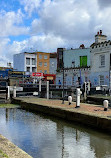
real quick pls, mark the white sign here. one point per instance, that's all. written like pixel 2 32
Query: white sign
pixel 98 88
pixel 17 88
pixel 35 93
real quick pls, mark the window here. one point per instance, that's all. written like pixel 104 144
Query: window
pixel 28 61
pixel 28 69
pixel 52 64
pixel 101 79
pixel 83 61
pixel 45 56
pixel 102 60
pixel 33 61
pixel 73 63
pixel 45 64
pixel 33 69
pixel 45 71
pixel 40 63
pixel 40 56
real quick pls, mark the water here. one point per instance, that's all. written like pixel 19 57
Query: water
pixel 46 137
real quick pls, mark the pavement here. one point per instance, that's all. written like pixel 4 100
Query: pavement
pixel 91 109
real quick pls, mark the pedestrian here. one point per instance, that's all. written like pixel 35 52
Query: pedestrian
pixel 59 84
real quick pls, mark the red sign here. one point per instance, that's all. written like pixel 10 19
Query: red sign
pixel 36 74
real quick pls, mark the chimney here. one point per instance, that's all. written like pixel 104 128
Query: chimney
pixel 100 37
pixel 100 32
pixel 82 46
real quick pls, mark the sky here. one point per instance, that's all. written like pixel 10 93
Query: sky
pixel 45 25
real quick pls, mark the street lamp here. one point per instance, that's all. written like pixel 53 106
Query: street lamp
pixel 63 82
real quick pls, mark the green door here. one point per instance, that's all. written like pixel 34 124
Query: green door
pixel 83 61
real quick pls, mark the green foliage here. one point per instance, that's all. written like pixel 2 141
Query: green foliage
pixel 8 105
pixel 3 155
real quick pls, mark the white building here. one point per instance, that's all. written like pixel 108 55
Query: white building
pixel 100 60
pixel 25 62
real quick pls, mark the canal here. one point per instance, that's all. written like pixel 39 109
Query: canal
pixel 42 136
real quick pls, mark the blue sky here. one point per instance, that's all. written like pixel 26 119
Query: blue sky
pixel 45 25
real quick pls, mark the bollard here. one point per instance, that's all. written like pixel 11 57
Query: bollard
pixel 47 89
pixel 78 93
pixel 40 85
pixel 14 91
pixel 105 103
pixel 8 97
pixel 70 99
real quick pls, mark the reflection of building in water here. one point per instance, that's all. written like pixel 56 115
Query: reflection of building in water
pixel 10 112
pixel 101 144
pixel 7 114
pixel 77 135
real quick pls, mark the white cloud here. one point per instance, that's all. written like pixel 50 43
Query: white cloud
pixel 69 19
pixel 30 6
pixel 10 23
pixel 61 23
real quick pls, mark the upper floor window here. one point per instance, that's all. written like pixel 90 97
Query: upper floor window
pixel 45 56
pixel 45 71
pixel 28 69
pixel 52 64
pixel 33 69
pixel 102 60
pixel 83 61
pixel 40 63
pixel 40 56
pixel 45 64
pixel 101 80
pixel 28 61
pixel 33 61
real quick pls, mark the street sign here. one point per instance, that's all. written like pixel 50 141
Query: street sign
pixel 37 74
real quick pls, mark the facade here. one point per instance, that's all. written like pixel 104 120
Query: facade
pixel 43 63
pixel 53 63
pixel 76 67
pixel 25 62
pixel 100 61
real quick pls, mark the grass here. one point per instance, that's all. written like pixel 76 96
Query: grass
pixel 8 105
pixel 2 154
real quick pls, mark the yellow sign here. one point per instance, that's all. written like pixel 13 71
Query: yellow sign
pixel 49 78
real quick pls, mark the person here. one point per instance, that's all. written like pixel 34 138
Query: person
pixel 59 84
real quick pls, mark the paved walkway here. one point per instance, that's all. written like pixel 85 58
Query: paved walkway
pixel 91 109
pixel 9 150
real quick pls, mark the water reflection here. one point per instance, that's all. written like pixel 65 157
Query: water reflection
pixel 47 137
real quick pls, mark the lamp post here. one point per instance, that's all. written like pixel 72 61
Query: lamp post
pixel 63 83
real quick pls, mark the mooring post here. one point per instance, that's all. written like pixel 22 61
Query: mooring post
pixel 47 89
pixel 40 85
pixel 8 96
pixel 14 91
pixel 78 93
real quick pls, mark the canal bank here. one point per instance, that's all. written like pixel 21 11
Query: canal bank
pixel 88 114
pixel 9 150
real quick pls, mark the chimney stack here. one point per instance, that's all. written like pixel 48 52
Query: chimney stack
pixel 100 37
pixel 100 32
